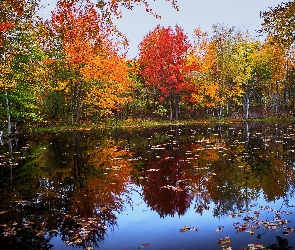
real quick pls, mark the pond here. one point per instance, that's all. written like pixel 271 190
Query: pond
pixel 173 187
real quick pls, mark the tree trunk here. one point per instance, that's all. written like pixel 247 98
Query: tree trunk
pixel 265 107
pixel 74 97
pixel 277 99
pixel 76 103
pixel 176 108
pixel 8 113
pixel 286 100
pixel 247 105
pixel 170 104
pixel 220 112
pixel 277 104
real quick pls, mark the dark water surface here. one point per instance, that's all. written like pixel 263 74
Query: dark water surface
pixel 174 187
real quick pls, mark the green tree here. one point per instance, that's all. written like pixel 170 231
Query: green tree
pixel 226 41
pixel 20 64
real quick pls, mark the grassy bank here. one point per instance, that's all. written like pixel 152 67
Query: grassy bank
pixel 130 123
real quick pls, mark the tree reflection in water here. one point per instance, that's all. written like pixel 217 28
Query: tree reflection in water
pixel 213 167
pixel 74 185
pixel 69 186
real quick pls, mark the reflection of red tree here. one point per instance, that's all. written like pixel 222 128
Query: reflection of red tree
pixel 156 192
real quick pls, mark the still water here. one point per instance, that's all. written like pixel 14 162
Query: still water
pixel 174 187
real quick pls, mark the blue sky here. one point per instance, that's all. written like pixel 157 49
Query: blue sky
pixel 135 24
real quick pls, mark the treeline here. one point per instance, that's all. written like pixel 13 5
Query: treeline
pixel 72 69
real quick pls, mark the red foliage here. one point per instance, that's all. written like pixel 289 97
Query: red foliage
pixel 163 58
pixel 4 27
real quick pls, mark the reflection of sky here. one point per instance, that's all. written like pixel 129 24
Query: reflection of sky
pixel 141 225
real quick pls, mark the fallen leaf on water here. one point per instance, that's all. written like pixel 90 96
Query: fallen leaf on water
pixel 219 229
pixel 186 228
pixel 224 243
pixel 255 246
pixel 144 245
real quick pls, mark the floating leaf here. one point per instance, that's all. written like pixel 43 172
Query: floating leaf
pixel 219 229
pixel 186 228
pixel 255 246
pixel 224 243
pixel 144 245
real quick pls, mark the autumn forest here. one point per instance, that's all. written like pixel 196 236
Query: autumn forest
pixel 72 69
pixel 81 165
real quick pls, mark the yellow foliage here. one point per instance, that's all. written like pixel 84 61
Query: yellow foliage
pixel 6 81
pixel 110 83
pixel 61 85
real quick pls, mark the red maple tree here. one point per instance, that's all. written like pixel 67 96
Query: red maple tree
pixel 164 64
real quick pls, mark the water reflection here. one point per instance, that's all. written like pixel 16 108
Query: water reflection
pixel 74 186
pixel 214 165
pixel 70 185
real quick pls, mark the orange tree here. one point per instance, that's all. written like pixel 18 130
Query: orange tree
pixel 11 11
pixel 83 57
pixel 272 64
pixel 163 59
pixel 204 52
pixel 107 74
